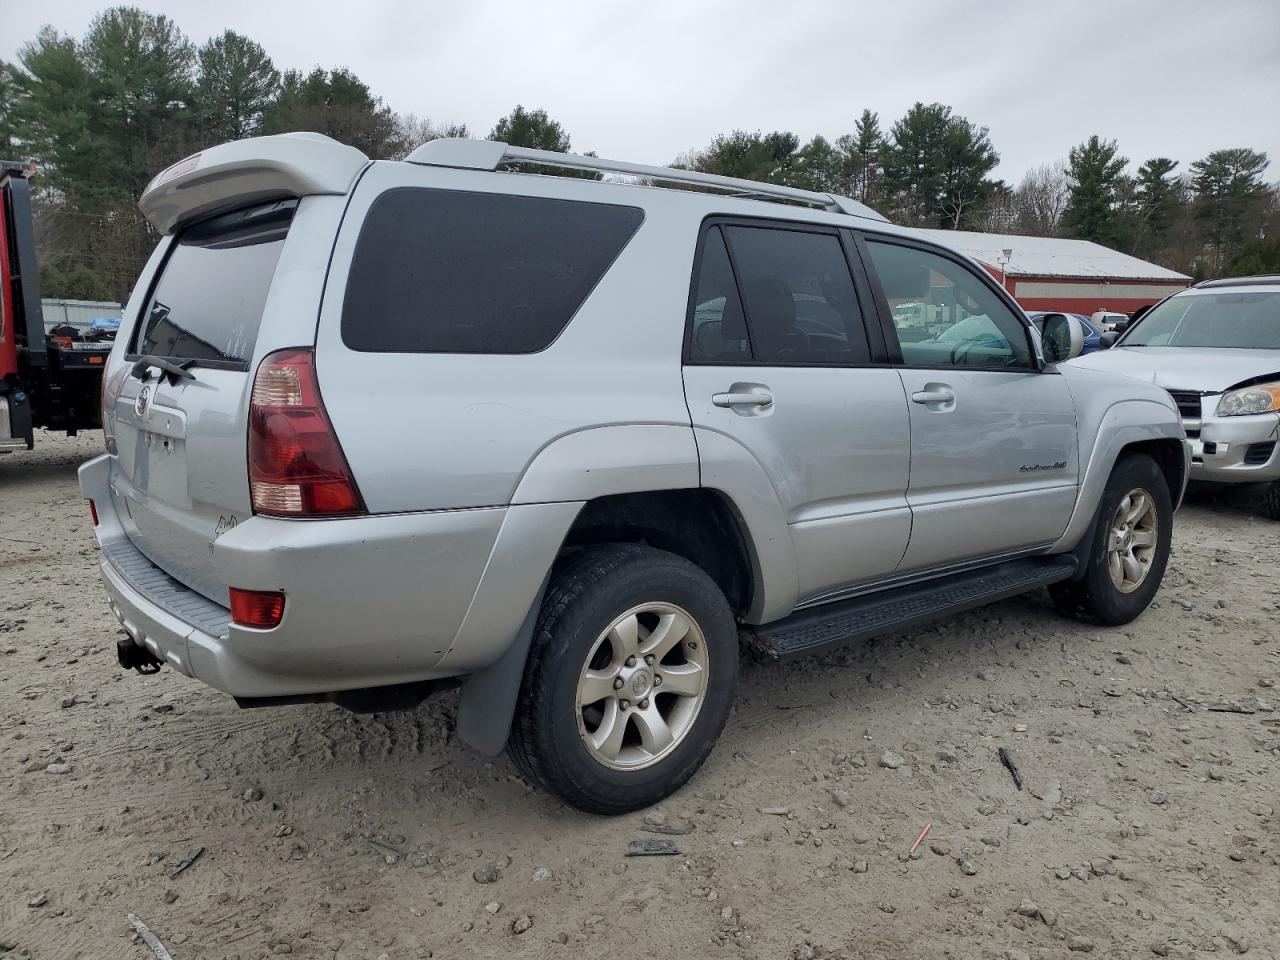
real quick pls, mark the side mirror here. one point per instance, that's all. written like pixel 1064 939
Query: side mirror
pixel 1062 337
pixel 1108 340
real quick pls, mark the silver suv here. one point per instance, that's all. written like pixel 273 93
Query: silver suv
pixel 377 428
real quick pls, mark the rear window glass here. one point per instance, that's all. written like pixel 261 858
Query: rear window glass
pixel 442 271
pixel 207 305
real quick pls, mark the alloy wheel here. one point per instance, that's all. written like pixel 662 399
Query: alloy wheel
pixel 642 686
pixel 1132 539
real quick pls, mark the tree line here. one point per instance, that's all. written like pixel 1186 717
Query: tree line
pixel 103 114
pixel 932 168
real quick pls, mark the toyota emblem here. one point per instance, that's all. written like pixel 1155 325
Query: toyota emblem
pixel 142 401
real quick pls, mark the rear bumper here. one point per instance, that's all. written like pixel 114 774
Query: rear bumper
pixel 369 601
pixel 1237 449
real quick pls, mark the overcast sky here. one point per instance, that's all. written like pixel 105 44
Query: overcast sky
pixel 647 81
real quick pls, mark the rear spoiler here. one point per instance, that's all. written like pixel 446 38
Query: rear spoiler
pixel 245 171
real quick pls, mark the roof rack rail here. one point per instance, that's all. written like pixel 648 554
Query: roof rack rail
pixel 491 154
pixel 1257 280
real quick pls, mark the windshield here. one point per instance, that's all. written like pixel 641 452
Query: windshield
pixel 1243 320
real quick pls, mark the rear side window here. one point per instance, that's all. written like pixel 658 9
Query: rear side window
pixel 207 304
pixel 801 306
pixel 442 271
pixel 719 328
pixel 775 295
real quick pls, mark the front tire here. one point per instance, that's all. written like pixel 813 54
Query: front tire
pixel 1271 500
pixel 629 680
pixel 1130 550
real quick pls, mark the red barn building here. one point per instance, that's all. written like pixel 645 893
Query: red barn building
pixel 1075 276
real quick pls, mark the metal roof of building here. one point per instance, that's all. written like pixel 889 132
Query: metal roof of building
pixel 1052 256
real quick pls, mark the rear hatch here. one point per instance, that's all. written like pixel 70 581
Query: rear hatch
pixel 180 477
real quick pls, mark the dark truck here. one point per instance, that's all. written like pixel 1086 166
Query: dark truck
pixel 45 381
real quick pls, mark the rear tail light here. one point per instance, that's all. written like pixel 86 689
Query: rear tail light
pixel 93 512
pixel 296 467
pixel 260 609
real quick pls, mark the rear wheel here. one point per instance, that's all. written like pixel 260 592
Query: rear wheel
pixel 629 680
pixel 1130 548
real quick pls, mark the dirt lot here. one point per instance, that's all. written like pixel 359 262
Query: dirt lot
pixel 1147 825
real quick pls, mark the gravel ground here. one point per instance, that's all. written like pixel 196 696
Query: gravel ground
pixel 1146 826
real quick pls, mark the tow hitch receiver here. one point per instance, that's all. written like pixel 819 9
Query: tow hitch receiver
pixel 133 656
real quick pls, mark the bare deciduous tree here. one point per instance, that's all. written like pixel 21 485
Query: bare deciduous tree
pixel 414 131
pixel 1041 200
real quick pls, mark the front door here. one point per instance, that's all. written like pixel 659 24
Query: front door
pixel 779 361
pixel 994 467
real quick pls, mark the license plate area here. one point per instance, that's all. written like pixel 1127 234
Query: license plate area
pixel 153 449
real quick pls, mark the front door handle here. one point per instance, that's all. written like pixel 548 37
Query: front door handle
pixel 742 399
pixel 935 394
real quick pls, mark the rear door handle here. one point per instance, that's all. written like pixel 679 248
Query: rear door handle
pixel 935 395
pixel 742 399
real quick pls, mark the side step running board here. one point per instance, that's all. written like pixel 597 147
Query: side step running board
pixel 860 618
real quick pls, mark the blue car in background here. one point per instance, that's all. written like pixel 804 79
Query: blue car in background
pixel 1092 335
pixel 104 328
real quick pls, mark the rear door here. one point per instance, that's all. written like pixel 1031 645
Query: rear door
pixel 180 477
pixel 994 466
pixel 779 360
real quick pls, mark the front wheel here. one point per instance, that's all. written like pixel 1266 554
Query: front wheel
pixel 1271 500
pixel 629 680
pixel 1130 548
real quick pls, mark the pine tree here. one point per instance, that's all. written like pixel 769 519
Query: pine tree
pixel 531 128
pixel 864 161
pixel 338 104
pixel 936 166
pixel 142 68
pixel 1096 170
pixel 237 83
pixel 1161 194
pixel 1230 199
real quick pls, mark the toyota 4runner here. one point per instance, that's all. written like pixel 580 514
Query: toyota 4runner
pixel 373 428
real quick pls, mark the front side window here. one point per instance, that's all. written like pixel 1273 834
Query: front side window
pixel 207 304
pixel 1248 320
pixel 944 315
pixel 446 271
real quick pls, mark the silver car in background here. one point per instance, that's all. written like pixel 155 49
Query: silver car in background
pixel 1216 348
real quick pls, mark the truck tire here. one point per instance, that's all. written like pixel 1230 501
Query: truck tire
pixel 1126 561
pixel 629 681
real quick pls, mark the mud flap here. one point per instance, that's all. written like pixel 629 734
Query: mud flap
pixel 488 700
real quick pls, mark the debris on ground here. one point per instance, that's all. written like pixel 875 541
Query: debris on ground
pixel 1009 765
pixel 652 848
pixel 150 939
pixel 187 861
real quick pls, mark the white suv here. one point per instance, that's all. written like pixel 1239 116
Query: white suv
pixel 1216 348
pixel 375 428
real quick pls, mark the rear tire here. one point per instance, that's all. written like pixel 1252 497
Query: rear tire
pixel 629 680
pixel 1132 534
